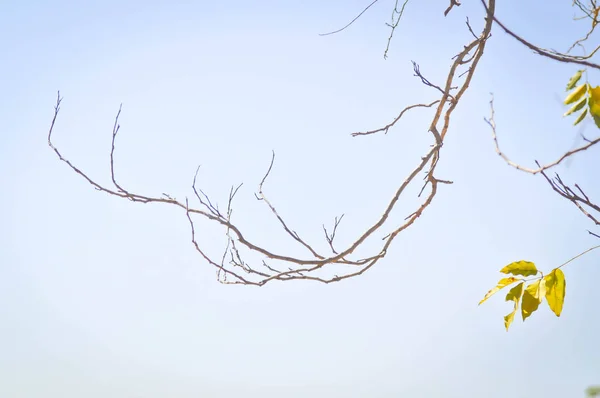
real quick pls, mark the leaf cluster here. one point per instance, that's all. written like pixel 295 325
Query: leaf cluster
pixel 580 96
pixel 551 287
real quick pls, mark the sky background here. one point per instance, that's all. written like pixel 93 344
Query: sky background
pixel 100 297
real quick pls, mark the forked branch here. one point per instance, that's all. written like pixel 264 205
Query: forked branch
pixel 343 263
pixel 541 168
pixel 573 194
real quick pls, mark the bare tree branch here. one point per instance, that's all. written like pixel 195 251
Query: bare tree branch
pixel 578 197
pixel 491 122
pixel 452 4
pixel 386 128
pixel 426 82
pixel 396 16
pixel 233 268
pixel 261 196
pixel 591 13
pixel 330 237
pixel 571 59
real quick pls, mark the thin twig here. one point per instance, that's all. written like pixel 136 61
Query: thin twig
pixel 394 25
pixel 386 128
pixel 543 52
pixel 492 123
pixel 351 22
pixel 579 255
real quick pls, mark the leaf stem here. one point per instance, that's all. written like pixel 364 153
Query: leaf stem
pixel 579 255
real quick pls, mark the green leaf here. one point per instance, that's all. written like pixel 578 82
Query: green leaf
pixel 582 102
pixel 514 294
pixel 532 297
pixel 574 80
pixel 576 94
pixel 580 117
pixel 555 290
pixel 592 391
pixel 525 268
pixel 502 283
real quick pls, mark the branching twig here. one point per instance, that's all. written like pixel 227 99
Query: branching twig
pixel 394 24
pixel 579 198
pixel 426 82
pixel 591 13
pixel 543 52
pixel 491 122
pixel 261 196
pixel 236 270
pixel 386 128
pixel 330 237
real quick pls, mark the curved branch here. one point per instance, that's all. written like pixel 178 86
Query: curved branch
pixel 232 268
pixel 491 122
pixel 541 51
pixel 578 197
pixel 386 128
pixel 351 22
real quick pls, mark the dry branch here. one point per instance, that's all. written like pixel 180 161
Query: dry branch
pixel 557 56
pixel 541 168
pixel 231 266
pixel 576 196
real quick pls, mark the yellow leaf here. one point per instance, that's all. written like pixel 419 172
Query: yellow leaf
pixel 525 268
pixel 594 102
pixel 502 283
pixel 508 319
pixel 555 290
pixel 576 94
pixel 574 80
pixel 580 117
pixel 576 107
pixel 594 92
pixel 532 297
pixel 514 294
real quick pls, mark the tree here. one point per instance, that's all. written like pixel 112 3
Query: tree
pixel 340 263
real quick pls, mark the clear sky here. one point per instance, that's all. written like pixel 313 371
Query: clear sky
pixel 100 297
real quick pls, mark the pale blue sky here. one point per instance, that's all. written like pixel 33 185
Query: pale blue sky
pixel 104 298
